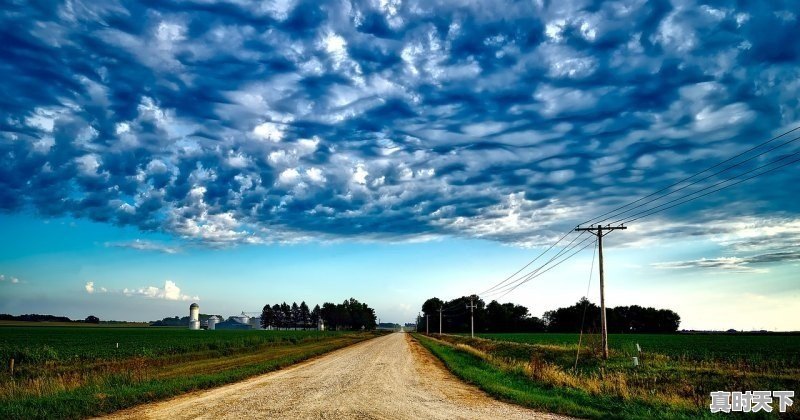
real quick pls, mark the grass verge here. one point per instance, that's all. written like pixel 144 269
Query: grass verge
pixel 512 383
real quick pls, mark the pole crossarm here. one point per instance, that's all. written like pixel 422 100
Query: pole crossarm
pixel 599 228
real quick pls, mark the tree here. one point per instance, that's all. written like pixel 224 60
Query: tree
pixel 287 315
pixel 295 315
pixel 315 316
pixel 91 319
pixel 267 317
pixel 278 316
pixel 305 315
pixel 328 314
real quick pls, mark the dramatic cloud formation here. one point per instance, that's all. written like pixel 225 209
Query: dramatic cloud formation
pixel 170 291
pixel 247 122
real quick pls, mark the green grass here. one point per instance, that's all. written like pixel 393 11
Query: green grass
pixel 73 372
pixel 666 385
pixel 516 387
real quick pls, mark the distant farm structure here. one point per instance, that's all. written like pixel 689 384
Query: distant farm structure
pixel 243 321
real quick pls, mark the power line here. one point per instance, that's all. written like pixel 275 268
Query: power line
pixel 698 180
pixel 528 264
pixel 542 273
pixel 721 188
pixel 564 250
pixel 592 220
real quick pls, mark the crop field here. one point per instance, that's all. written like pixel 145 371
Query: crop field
pixel 76 372
pixel 675 374
pixel 33 346
pixel 755 348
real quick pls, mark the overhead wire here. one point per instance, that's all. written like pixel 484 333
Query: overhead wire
pixel 650 213
pixel 698 181
pixel 592 220
pixel 512 282
pixel 564 250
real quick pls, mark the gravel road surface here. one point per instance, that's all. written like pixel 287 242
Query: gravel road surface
pixel 390 377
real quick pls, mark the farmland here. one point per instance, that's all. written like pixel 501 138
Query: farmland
pixel 74 372
pixel 676 372
pixel 755 348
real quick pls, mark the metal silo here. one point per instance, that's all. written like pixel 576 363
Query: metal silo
pixel 212 322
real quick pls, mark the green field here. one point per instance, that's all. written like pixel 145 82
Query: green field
pixel 76 372
pixel 758 348
pixel 673 380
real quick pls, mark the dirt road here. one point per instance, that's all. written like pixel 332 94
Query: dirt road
pixel 390 377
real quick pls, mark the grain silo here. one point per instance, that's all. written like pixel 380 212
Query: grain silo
pixel 194 316
pixel 212 322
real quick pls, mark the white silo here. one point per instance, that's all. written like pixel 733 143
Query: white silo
pixel 212 322
pixel 194 316
pixel 242 319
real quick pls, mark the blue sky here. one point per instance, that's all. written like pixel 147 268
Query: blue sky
pixel 242 153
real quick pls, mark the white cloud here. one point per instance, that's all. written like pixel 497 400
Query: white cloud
pixel 89 287
pixel 269 131
pixel 289 177
pixel 145 245
pixel 315 175
pixel 360 174
pixel 10 279
pixel 170 291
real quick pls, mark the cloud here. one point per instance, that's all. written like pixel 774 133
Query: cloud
pixel 170 291
pixel 9 279
pixel 144 245
pixel 237 123
pixel 737 264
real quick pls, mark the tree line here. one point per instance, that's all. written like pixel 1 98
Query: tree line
pixel 348 315
pixel 510 317
pixel 91 319
pixel 620 319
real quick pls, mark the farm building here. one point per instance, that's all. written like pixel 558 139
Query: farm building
pixel 232 324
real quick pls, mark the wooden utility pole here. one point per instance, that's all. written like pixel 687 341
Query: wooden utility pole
pixel 471 308
pixel 440 320
pixel 427 318
pixel 598 231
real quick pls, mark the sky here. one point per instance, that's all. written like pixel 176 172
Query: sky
pixel 238 153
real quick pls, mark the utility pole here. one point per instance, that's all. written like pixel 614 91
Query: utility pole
pixel 598 231
pixel 427 318
pixel 440 320
pixel 471 308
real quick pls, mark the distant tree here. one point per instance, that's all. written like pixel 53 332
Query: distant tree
pixel 287 315
pixel 328 314
pixel 277 313
pixel 315 316
pixel 91 319
pixel 267 317
pixel 431 307
pixel 621 319
pixel 295 315
pixel 305 315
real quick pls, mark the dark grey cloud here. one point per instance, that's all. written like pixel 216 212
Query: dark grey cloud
pixel 242 122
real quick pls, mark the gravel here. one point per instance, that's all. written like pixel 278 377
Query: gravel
pixel 390 377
